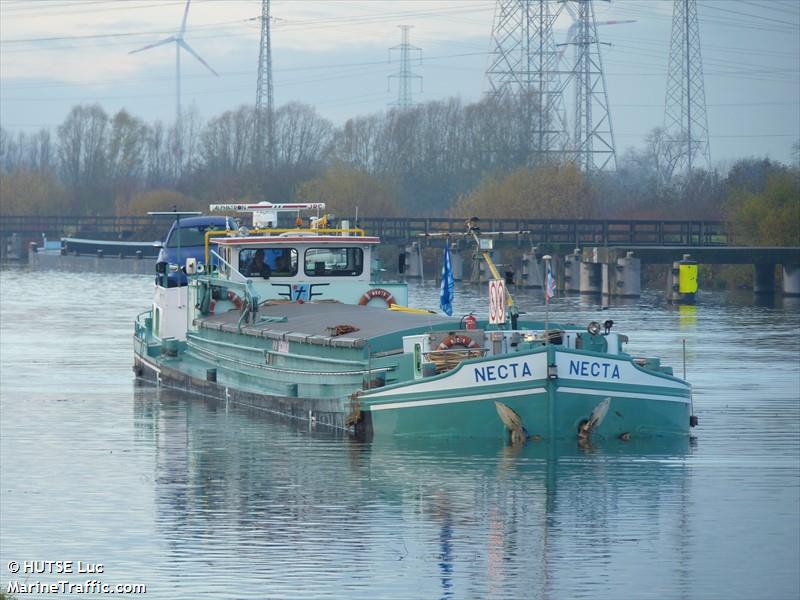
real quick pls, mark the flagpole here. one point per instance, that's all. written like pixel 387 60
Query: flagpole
pixel 546 258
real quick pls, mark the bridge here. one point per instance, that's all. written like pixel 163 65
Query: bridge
pixel 553 233
pixel 613 246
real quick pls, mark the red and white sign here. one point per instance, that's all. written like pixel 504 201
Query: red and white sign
pixel 497 301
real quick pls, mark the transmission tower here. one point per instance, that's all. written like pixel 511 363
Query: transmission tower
pixel 405 76
pixel 685 121
pixel 593 135
pixel 523 64
pixel 265 116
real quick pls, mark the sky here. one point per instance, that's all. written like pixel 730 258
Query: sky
pixel 334 55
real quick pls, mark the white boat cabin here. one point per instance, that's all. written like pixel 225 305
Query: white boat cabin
pixel 268 264
pixel 304 266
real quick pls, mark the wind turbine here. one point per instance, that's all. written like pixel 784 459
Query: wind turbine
pixel 179 43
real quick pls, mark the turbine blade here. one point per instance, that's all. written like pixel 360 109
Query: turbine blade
pixel 188 48
pixel 185 16
pixel 168 40
pixel 617 22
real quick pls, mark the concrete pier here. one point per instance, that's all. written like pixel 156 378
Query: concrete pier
pixel 682 281
pixel 791 280
pixel 532 271
pixel 591 277
pixel 414 268
pixel 481 274
pixel 764 279
pixel 456 263
pixel 628 275
pixel 572 267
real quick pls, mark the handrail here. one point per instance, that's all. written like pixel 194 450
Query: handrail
pixel 275 232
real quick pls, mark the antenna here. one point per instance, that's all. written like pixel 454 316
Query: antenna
pixel 523 63
pixel 180 43
pixel 685 121
pixel 593 134
pixel 405 75
pixel 264 102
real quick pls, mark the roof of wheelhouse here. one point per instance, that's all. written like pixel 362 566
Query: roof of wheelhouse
pixel 295 239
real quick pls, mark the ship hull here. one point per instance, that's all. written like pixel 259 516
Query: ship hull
pixel 550 402
pixel 553 392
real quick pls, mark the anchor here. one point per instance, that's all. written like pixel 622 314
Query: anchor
pixel 513 422
pixel 598 414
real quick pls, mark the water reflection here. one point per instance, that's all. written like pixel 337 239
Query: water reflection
pixel 196 501
pixel 467 519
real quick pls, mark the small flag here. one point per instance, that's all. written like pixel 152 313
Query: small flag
pixel 550 284
pixel 448 283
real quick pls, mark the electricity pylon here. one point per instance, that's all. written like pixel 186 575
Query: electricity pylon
pixel 593 145
pixel 265 115
pixel 405 75
pixel 685 120
pixel 523 64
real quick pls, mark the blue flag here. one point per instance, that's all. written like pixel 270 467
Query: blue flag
pixel 448 283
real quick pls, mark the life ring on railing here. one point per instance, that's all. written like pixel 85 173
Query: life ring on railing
pixel 457 339
pixel 234 297
pixel 385 295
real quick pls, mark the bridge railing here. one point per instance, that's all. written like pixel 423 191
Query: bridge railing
pixel 621 232
pixel 560 232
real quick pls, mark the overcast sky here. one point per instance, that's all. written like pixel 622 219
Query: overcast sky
pixel 334 55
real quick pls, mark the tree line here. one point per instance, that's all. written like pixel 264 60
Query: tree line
pixel 443 157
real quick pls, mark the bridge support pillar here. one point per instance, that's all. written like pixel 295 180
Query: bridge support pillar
pixel 791 280
pixel 628 276
pixel 572 266
pixel 532 270
pixel 33 255
pixel 456 263
pixel 413 261
pixel 482 273
pixel 682 281
pixel 591 277
pixel 764 279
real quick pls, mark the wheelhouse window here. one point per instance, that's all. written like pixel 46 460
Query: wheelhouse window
pixel 192 236
pixel 334 262
pixel 268 262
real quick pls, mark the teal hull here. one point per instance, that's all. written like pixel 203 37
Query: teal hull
pixel 550 390
pixel 647 404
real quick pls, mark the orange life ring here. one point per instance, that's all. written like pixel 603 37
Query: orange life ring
pixel 234 297
pixel 457 340
pixel 377 293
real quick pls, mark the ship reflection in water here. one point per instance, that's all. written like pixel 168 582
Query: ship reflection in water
pixel 312 513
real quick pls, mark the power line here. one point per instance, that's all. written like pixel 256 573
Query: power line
pixel 248 73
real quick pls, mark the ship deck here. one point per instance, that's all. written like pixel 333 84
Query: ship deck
pixel 316 323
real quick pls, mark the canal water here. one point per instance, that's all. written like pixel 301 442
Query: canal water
pixel 194 501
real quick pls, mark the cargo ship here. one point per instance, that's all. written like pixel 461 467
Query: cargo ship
pixel 297 321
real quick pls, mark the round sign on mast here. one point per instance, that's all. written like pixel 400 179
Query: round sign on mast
pixel 497 301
